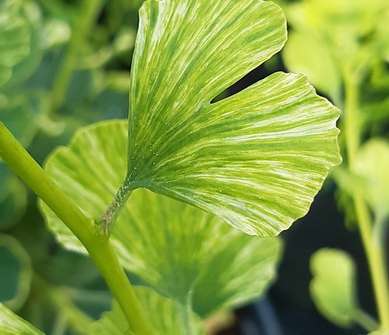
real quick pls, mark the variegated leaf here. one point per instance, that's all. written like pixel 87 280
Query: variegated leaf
pixel 255 159
pixel 181 251
pixel 165 317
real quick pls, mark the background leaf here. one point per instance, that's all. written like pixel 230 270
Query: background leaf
pixel 11 324
pixel 255 159
pixel 372 165
pixel 332 286
pixel 178 249
pixel 165 317
pixel 14 38
pixel 15 272
pixel 13 198
pixel 305 53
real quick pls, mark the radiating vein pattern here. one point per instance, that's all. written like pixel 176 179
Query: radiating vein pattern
pixel 165 317
pixel 256 159
pixel 181 251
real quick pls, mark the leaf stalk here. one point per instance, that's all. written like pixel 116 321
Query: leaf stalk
pixel 109 217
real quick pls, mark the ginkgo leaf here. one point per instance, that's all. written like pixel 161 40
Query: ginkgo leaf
pixel 332 286
pixel 181 251
pixel 15 272
pixel 165 317
pixel 11 324
pixel 14 38
pixel 256 159
pixel 372 164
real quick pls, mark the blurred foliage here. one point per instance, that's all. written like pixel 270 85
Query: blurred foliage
pixel 333 289
pixel 333 285
pixel 343 47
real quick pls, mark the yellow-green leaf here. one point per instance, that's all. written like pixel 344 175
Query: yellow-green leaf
pixel 301 54
pixel 372 165
pixel 181 251
pixel 333 285
pixel 256 159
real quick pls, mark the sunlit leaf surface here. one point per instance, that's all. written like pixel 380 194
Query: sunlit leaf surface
pixel 332 287
pixel 255 159
pixel 373 166
pixel 14 38
pixel 181 251
pixel 15 272
pixel 165 317
pixel 11 324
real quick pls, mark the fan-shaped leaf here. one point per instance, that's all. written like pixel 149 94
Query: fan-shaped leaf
pixel 178 249
pixel 11 324
pixel 255 159
pixel 165 317
pixel 332 287
pixel 15 272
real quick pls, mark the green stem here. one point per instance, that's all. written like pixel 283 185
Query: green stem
pixel 110 215
pixel 373 250
pixel 187 311
pixel 365 320
pixel 97 244
pixel 82 25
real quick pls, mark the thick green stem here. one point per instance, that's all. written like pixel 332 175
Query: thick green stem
pixel 82 25
pixel 97 244
pixel 375 256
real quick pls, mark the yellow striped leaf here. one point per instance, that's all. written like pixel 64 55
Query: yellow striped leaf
pixel 256 159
